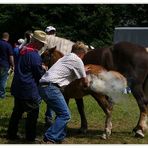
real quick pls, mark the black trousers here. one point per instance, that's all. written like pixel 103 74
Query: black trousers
pixel 32 109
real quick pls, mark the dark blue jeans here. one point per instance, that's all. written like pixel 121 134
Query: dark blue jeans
pixel 3 80
pixel 56 101
pixel 32 109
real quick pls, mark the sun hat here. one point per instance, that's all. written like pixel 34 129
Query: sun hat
pixel 50 28
pixel 40 36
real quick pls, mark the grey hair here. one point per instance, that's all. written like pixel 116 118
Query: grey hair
pixel 79 47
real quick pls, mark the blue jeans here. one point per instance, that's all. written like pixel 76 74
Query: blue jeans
pixel 56 101
pixel 3 80
pixel 48 114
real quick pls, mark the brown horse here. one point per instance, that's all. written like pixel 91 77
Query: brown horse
pixel 75 89
pixel 131 60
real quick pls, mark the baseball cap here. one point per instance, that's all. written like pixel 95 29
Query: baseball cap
pixel 50 28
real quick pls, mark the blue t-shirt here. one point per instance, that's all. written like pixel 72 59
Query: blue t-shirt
pixel 27 73
pixel 16 51
pixel 5 51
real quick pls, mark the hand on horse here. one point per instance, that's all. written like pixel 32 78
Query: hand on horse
pixel 87 69
pixel 45 67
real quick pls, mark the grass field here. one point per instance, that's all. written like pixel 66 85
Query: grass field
pixel 125 117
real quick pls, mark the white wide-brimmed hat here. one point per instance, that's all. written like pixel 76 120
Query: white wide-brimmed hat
pixel 50 28
pixel 40 36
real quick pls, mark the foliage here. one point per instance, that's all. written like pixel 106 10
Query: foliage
pixel 92 23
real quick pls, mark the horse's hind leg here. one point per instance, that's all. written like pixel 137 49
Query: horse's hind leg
pixel 141 100
pixel 80 106
pixel 107 107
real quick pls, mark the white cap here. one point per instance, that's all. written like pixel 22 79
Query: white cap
pixel 50 28
pixel 20 41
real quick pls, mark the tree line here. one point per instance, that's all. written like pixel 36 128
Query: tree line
pixel 91 23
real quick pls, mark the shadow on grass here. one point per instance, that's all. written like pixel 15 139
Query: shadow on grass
pixel 92 134
pixel 4 122
pixel 74 132
pixel 96 134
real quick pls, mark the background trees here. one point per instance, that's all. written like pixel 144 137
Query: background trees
pixel 92 23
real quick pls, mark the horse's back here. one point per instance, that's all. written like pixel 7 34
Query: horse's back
pixel 127 50
pixel 63 45
pixel 132 61
pixel 126 53
pixel 99 56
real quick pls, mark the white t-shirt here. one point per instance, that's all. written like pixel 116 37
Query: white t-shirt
pixel 65 70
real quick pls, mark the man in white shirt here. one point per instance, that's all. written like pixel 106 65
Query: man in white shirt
pixel 64 71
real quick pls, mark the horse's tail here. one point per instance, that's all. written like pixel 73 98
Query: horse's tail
pixel 108 59
pixel 146 89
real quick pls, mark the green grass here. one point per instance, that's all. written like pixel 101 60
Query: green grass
pixel 125 117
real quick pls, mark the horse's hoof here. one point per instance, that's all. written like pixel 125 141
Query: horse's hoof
pixel 108 132
pixel 82 131
pixel 139 134
pixel 103 136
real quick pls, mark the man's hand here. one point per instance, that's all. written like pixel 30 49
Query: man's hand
pixel 11 70
pixel 87 69
pixel 45 67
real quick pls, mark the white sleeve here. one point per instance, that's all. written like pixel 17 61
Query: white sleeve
pixel 79 69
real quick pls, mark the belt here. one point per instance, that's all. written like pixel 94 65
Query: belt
pixel 45 84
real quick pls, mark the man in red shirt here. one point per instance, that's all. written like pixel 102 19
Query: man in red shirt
pixel 28 71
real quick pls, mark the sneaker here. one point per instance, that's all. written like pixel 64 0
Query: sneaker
pixel 49 142
pixel 45 141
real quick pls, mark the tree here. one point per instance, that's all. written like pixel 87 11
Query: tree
pixel 91 23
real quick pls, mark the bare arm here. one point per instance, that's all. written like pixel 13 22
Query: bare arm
pixel 11 61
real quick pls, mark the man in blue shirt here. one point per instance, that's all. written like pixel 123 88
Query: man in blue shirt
pixel 6 62
pixel 28 71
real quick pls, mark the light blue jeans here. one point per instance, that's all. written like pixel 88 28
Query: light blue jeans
pixel 56 101
pixel 3 80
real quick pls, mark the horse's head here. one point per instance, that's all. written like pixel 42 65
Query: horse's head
pixel 50 56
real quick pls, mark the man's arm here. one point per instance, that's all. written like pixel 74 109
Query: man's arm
pixel 11 61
